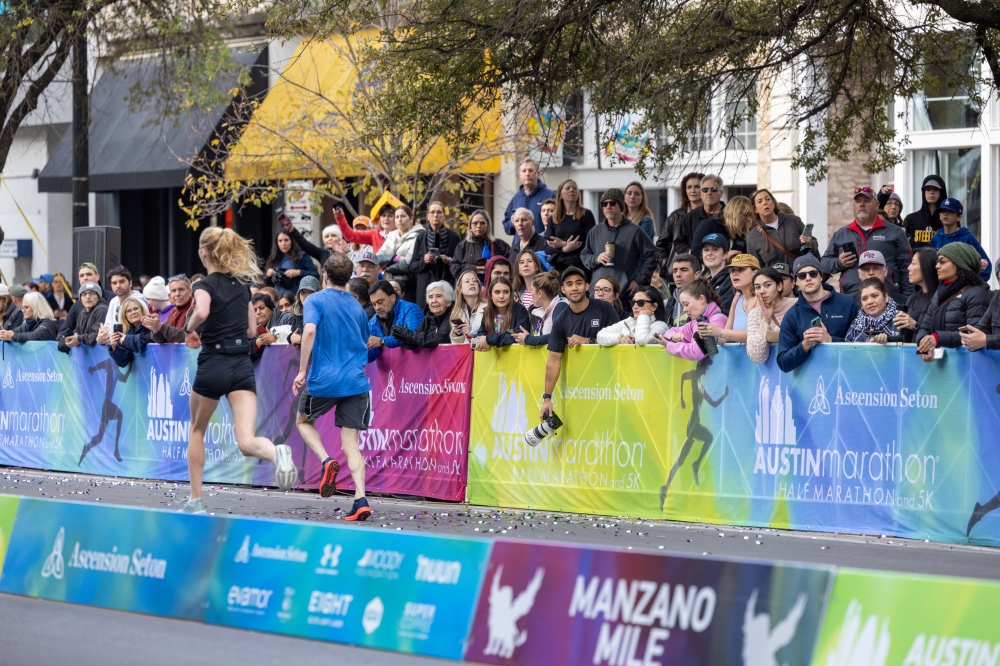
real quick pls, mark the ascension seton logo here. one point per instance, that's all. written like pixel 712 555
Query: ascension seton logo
pixel 389 394
pixel 8 379
pixel 54 564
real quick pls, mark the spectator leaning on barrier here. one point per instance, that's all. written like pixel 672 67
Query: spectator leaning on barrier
pixel 921 225
pixel 389 311
pixel 268 317
pixel 548 304
pixel 685 268
pixel 714 249
pixel 952 231
pixel 764 321
pixel 607 289
pixel 470 306
pixel 741 271
pixel 690 199
pixel 776 237
pixel 647 320
pixel 478 247
pixel 504 316
pixel 567 232
pixel 871 264
pixel 287 265
pixel 618 248
pixel 961 300
pixel 985 334
pixel 526 237
pixel 579 324
pixel 433 252
pixel 701 305
pixel 308 286
pixel 39 322
pixel 867 232
pixel 531 193
pixel 133 337
pixel 923 277
pixel 88 323
pixel 820 315
pixel 435 329
pixel 874 321
pixel 172 330
pixel 121 284
pixel 10 314
pixel 358 288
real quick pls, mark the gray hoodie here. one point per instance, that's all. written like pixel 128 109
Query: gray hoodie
pixel 635 254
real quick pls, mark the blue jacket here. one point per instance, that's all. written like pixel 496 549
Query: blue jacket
pixel 405 314
pixel 532 202
pixel 963 235
pixel 837 312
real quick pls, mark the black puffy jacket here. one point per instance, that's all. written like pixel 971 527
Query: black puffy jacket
pixel 36 329
pixel 966 308
pixel 469 252
pixel 434 330
pixel 990 323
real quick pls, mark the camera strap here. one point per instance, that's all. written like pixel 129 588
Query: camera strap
pixel 771 239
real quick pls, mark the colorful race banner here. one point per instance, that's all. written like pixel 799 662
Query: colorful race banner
pixel 397 591
pixel 863 438
pixel 882 618
pixel 123 558
pixel 8 512
pixel 81 412
pixel 565 605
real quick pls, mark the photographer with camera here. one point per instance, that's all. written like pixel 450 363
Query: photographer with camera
pixel 868 232
pixel 577 325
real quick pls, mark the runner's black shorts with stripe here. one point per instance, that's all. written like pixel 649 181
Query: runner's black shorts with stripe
pixel 353 411
pixel 220 374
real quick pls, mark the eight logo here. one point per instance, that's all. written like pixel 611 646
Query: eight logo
pixel 54 565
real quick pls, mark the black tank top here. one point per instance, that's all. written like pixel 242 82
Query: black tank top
pixel 225 330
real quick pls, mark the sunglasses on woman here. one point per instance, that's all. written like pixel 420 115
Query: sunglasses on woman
pixel 641 302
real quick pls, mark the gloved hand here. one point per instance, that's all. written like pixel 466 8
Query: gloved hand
pixel 405 335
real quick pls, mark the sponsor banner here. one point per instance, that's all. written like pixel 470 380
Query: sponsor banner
pixel 882 618
pixel 128 559
pixel 397 591
pixel 8 511
pixel 81 412
pixel 860 439
pixel 618 607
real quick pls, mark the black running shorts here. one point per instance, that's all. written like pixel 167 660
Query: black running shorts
pixel 353 411
pixel 219 374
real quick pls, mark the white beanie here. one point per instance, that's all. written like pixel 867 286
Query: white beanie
pixel 156 290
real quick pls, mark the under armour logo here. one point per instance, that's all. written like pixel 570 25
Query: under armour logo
pixel 54 562
pixel 819 403
pixel 331 556
pixel 8 379
pixel 186 384
pixel 389 394
pixel 243 554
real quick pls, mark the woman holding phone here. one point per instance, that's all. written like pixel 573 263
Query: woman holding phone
pixel 221 324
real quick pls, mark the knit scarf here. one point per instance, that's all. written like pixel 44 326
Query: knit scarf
pixel 863 323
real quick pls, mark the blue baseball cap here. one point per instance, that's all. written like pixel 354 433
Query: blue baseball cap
pixel 954 205
pixel 45 277
pixel 718 240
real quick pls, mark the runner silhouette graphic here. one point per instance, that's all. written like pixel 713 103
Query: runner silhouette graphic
pixel 109 410
pixel 696 432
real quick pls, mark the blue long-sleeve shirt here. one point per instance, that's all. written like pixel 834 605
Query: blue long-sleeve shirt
pixel 963 235
pixel 532 202
pixel 405 314
pixel 837 313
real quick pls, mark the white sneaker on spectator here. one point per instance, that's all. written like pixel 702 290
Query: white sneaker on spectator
pixel 284 468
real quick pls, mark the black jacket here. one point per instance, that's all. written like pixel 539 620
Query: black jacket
pixel 762 246
pixel 502 339
pixel 469 256
pixel 715 225
pixel 13 317
pixel 665 242
pixel 921 225
pixel 536 244
pixel 320 254
pixel 966 308
pixel 684 229
pixel 990 323
pixel 87 325
pixel 564 230
pixel 36 329
pixel 444 240
pixel 134 342
pixel 434 330
pixel 278 318
pixel 723 286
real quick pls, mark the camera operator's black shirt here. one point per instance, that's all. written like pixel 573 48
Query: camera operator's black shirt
pixel 598 315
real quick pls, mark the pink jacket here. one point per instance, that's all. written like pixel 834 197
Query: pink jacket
pixel 689 348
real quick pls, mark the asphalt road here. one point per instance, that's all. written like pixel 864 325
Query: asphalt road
pixel 124 636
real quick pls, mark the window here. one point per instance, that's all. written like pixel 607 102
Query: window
pixel 962 173
pixel 942 105
pixel 701 138
pixel 744 135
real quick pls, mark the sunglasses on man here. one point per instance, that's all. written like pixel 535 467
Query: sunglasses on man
pixel 609 203
pixel 806 275
pixel 711 189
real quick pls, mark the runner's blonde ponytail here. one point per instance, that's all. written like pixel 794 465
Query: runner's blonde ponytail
pixel 231 254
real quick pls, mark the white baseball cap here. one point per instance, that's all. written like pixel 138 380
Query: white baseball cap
pixel 871 257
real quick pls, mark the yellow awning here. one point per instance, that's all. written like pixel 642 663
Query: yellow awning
pixel 302 129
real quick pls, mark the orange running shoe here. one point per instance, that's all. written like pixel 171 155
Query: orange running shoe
pixel 328 484
pixel 360 511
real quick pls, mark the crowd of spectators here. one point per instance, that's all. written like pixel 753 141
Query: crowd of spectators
pixel 745 271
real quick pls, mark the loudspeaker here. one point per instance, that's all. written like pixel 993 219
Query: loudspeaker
pixel 101 246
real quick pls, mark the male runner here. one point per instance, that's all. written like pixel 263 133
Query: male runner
pixel 335 338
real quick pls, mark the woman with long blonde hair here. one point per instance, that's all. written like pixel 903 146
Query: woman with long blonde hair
pixel 733 223
pixel 637 208
pixel 221 324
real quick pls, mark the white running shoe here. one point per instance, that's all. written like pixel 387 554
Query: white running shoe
pixel 284 469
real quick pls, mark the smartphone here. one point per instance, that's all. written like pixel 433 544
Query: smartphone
pixel 808 231
pixel 964 329
pixel 849 247
pixel 457 322
pixel 117 328
pixel 816 322
pixel 903 308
